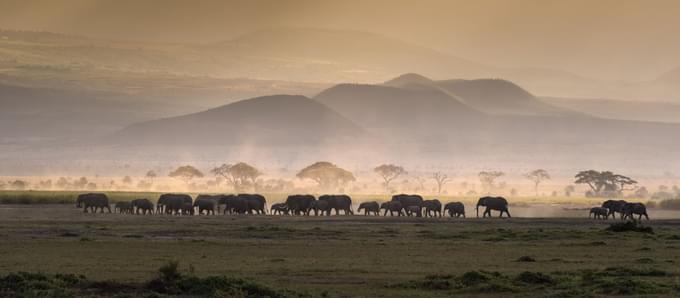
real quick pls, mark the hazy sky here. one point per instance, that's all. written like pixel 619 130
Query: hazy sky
pixel 612 39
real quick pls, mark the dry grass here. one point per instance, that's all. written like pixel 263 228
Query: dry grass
pixel 336 256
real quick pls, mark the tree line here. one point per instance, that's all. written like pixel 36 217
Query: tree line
pixel 328 176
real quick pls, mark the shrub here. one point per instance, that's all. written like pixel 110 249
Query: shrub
pixel 472 278
pixel 526 259
pixel 535 278
pixel 169 271
pixel 630 226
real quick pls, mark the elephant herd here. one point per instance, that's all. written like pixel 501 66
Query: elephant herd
pixel 183 204
pixel 625 209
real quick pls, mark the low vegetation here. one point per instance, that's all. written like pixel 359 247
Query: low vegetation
pixel 169 282
pixel 345 256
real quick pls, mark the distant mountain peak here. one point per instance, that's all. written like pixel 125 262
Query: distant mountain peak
pixel 274 119
pixel 409 79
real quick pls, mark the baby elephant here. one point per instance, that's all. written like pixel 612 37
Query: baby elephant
pixel 143 205
pixel 392 206
pixel 123 207
pixel 456 209
pixel 187 208
pixel 414 210
pixel 280 209
pixel 629 210
pixel 369 207
pixel 599 213
pixel 319 207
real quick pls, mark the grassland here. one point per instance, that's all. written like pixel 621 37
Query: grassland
pixel 347 256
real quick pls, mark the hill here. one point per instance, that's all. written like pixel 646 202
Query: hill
pixel 491 96
pixel 269 120
pixel 397 112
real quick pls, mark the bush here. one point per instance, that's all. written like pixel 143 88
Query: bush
pixel 629 226
pixel 472 278
pixel 169 271
pixel 535 278
pixel 526 259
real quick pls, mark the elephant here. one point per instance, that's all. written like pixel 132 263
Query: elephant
pixel 256 203
pixel 338 203
pixel 238 205
pixel 93 201
pixel 187 208
pixel 369 207
pixel 614 206
pixel 174 203
pixel 123 207
pixel 630 209
pixel 279 208
pixel 392 206
pixel 414 210
pixel 456 209
pixel 215 198
pixel 143 205
pixel 229 202
pixel 206 203
pixel 321 206
pixel 408 200
pixel 493 203
pixel 599 213
pixel 432 208
pixel 300 204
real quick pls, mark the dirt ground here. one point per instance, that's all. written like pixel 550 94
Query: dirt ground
pixel 347 256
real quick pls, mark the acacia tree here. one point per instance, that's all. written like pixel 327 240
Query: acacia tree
pixel 151 174
pixel 239 175
pixel 126 180
pixel 389 172
pixel 326 175
pixel 488 179
pixel 605 182
pixel 186 173
pixel 537 176
pixel 441 179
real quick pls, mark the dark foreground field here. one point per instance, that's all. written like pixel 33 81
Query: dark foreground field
pixel 341 256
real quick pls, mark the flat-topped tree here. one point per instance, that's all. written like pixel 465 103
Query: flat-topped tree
pixel 186 173
pixel 488 179
pixel 151 174
pixel 537 176
pixel 239 175
pixel 326 175
pixel 389 172
pixel 605 182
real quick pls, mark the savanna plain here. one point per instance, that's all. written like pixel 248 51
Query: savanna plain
pixel 71 253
